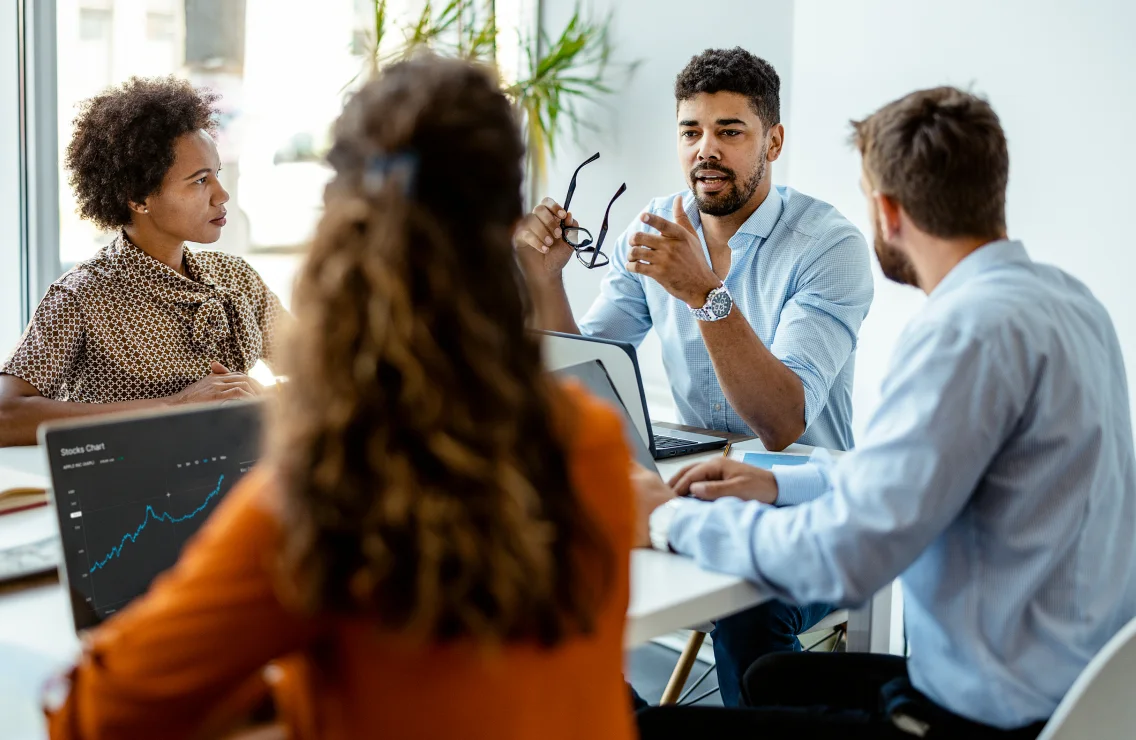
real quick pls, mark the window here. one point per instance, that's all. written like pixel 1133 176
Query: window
pixel 94 24
pixel 161 27
pixel 11 188
pixel 283 69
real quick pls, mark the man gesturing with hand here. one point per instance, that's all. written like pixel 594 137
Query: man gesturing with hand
pixel 756 292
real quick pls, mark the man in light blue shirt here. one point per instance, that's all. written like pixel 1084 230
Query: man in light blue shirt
pixel 997 479
pixel 757 294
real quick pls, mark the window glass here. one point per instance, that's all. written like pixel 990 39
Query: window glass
pixel 11 196
pixel 283 69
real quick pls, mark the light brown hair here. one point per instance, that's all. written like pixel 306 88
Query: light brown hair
pixel 420 442
pixel 942 155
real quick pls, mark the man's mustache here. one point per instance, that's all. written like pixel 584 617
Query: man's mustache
pixel 724 171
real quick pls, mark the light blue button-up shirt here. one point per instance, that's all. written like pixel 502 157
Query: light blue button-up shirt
pixel 801 275
pixel 997 476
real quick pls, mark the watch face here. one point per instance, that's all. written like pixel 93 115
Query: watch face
pixel 721 303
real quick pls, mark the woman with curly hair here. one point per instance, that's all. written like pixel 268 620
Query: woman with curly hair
pixel 437 543
pixel 147 321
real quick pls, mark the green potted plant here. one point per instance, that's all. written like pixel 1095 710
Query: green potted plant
pixel 558 73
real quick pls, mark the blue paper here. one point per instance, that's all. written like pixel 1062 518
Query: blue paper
pixel 766 460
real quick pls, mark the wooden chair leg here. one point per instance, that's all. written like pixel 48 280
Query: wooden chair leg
pixel 682 668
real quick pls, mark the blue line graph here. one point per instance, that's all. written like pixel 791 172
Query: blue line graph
pixel 151 514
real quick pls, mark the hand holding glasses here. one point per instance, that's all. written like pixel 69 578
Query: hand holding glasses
pixel 586 247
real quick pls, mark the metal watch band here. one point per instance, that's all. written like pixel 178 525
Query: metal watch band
pixel 718 305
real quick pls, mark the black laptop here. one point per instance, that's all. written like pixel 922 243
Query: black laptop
pixel 620 362
pixel 129 490
pixel 593 376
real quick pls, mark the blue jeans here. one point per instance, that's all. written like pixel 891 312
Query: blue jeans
pixel 741 639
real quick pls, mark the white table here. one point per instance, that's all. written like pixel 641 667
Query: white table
pixel 668 592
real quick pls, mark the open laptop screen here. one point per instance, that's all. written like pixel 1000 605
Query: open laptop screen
pixel 593 376
pixel 130 491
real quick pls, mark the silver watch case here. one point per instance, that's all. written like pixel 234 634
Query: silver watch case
pixel 718 305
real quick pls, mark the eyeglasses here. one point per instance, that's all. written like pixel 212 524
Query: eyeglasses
pixel 580 239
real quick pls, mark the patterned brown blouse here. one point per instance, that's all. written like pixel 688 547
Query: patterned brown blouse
pixel 123 326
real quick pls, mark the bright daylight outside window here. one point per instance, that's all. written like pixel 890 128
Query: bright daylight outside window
pixel 283 69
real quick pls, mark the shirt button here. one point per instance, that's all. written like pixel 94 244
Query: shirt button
pixel 717 407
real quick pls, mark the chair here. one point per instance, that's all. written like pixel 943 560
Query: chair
pixel 1099 703
pixel 836 623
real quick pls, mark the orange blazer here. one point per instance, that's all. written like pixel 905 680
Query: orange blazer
pixel 194 648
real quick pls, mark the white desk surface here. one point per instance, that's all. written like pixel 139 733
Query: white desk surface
pixel 668 592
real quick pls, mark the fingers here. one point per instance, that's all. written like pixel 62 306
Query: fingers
pixel 550 214
pixel 551 205
pixel 664 227
pixel 217 368
pixel 541 229
pixel 235 393
pixel 678 476
pixel 712 490
pixel 709 470
pixel 680 216
pixel 635 254
pixel 536 234
pixel 644 268
pixel 652 241
pixel 527 238
pixel 237 380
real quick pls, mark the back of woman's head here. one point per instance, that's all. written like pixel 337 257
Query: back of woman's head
pixel 421 445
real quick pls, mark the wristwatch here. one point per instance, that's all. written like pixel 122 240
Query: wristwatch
pixel 718 305
pixel 659 524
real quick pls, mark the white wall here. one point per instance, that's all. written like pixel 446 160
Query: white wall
pixel 636 127
pixel 1062 77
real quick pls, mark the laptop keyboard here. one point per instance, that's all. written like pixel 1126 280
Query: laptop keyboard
pixel 663 442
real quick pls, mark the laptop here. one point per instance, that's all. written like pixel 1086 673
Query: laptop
pixel 129 490
pixel 620 362
pixel 593 376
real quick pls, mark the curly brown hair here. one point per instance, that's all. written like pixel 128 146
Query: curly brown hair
pixel 123 143
pixel 421 444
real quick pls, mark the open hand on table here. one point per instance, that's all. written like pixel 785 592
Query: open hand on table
pixel 723 477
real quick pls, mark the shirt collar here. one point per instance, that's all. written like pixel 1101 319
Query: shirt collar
pixel 986 257
pixel 139 260
pixel 759 225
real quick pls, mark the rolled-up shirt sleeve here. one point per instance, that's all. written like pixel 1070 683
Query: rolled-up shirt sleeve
pixel 51 345
pixel 620 312
pixel 947 405
pixel 818 325
pixel 797 484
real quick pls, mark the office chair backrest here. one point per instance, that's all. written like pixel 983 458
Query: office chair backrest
pixel 1100 702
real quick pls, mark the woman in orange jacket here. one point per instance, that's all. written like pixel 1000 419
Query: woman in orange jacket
pixel 437 542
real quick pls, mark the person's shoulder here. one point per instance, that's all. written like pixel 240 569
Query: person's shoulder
pixel 255 502
pixel 230 270
pixel 92 275
pixel 598 456
pixel 594 427
pixel 816 219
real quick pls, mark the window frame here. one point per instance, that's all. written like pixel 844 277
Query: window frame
pixel 39 148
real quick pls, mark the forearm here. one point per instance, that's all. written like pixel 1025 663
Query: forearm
pixel 21 416
pixel 553 311
pixel 768 396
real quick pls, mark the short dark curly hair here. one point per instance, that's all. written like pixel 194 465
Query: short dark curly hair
pixel 124 143
pixel 737 71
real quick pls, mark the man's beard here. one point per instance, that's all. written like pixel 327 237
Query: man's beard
pixel 731 198
pixel 893 263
